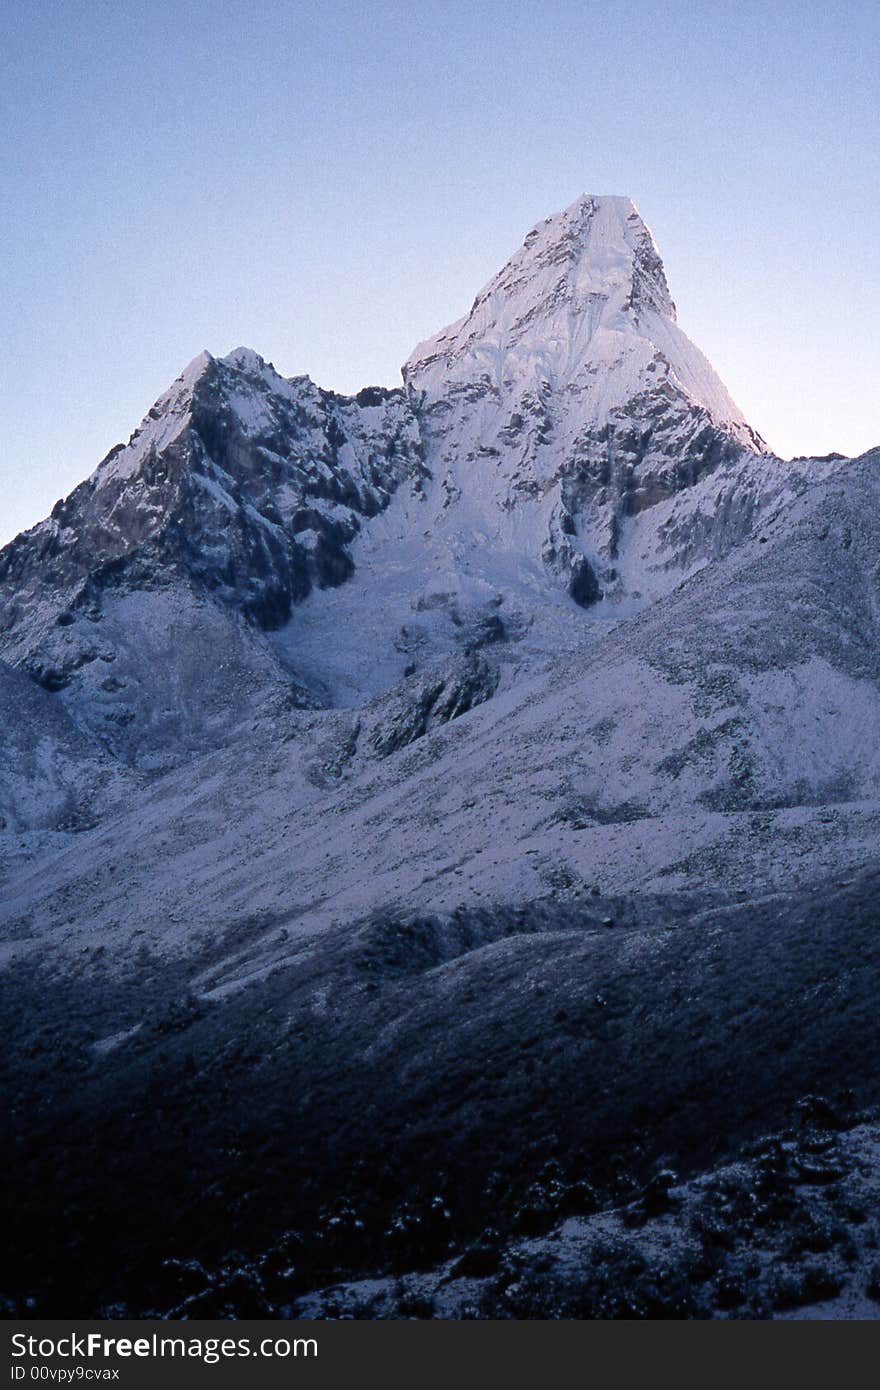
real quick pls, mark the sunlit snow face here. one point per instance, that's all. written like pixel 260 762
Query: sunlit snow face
pixel 582 308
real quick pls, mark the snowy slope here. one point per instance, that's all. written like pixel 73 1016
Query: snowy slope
pixel 51 777
pixel 725 738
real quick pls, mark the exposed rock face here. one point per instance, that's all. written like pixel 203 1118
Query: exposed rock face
pixel 434 699
pixel 141 597
pixel 239 483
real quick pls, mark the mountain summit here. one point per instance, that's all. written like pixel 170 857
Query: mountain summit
pixel 595 259
pixel 583 306
pixel 570 378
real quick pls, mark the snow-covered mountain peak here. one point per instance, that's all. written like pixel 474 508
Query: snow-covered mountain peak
pixel 239 484
pixel 248 364
pixel 568 393
pixel 245 359
pixel 582 307
pixel 160 427
pixel 532 449
pixel 243 383
pixel 593 264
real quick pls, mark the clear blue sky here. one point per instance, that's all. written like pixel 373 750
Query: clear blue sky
pixel 329 183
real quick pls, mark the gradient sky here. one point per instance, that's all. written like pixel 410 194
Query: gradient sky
pixel 330 183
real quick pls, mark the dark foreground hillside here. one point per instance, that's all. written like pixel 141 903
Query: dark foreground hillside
pixel 421 1094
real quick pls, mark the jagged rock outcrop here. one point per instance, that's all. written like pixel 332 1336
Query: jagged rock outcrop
pixel 142 598
pixel 239 483
pixel 431 700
